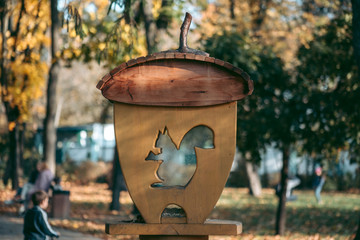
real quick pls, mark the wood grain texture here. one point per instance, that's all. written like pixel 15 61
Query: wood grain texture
pixel 176 79
pixel 175 83
pixel 162 237
pixel 210 227
pixel 136 129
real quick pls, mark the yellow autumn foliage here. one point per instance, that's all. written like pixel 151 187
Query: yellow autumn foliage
pixel 11 126
pixel 101 4
pixel 26 54
pixel 156 8
pixel 280 28
pixel 102 46
pixel 27 72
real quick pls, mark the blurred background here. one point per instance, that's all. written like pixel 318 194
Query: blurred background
pixel 303 56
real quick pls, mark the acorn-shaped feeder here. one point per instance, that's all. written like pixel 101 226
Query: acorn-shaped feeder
pixel 161 104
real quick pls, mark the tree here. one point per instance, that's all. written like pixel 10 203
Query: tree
pixel 356 29
pixel 118 183
pixel 281 210
pixel 332 109
pixel 266 23
pixel 22 68
pixel 153 19
pixel 280 24
pixel 329 74
pixel 300 110
pixel 269 115
pixel 251 168
pixel 356 41
pixel 51 103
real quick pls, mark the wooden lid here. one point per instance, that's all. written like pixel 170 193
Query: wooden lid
pixel 176 79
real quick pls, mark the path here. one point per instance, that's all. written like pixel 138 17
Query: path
pixel 11 229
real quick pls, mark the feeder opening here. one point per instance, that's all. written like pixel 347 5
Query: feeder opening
pixel 179 165
pixel 173 214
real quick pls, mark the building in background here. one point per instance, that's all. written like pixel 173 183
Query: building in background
pixel 94 142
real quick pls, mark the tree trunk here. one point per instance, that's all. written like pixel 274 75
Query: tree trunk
pixel 51 104
pixel 14 158
pixel 104 116
pixel 356 30
pixel 3 77
pixel 150 26
pixel 21 149
pixel 307 164
pixel 15 152
pixel 232 9
pixel 7 78
pixel 266 177
pixel 15 148
pixel 118 183
pixel 259 14
pixel 254 179
pixel 281 211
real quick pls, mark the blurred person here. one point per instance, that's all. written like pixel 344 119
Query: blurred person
pixel 292 182
pixel 22 192
pixel 44 179
pixel 57 184
pixel 318 183
pixel 42 183
pixel 36 225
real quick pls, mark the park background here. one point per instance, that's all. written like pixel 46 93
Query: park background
pixel 303 57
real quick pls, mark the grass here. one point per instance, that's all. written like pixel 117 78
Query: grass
pixel 336 218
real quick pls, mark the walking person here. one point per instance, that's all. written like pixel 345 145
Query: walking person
pixel 319 182
pixel 42 183
pixel 22 192
pixel 36 225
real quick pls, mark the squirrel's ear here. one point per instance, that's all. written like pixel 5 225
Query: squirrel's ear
pixel 165 131
pixel 160 134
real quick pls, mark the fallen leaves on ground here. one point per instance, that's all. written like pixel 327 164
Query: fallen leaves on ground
pixel 335 219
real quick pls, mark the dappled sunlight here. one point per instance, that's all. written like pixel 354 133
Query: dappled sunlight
pixel 334 219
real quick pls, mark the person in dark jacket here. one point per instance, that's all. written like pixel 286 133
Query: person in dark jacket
pixel 318 183
pixel 36 225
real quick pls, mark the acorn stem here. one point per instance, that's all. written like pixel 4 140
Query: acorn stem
pixel 184 32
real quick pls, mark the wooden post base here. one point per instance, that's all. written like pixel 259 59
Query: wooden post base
pixel 175 231
pixel 162 237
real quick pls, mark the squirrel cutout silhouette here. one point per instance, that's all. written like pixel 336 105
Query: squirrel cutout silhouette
pixel 178 166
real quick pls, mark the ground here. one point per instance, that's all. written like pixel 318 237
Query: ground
pixel 336 218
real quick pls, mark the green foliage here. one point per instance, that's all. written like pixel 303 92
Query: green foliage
pixel 341 182
pixel 238 178
pixel 316 105
pixel 328 73
pixel 267 115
